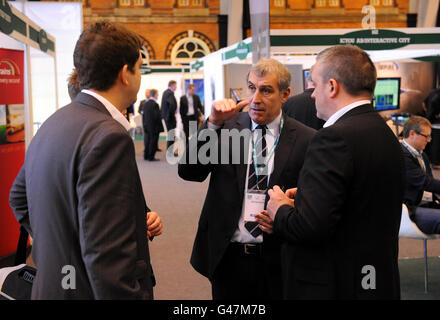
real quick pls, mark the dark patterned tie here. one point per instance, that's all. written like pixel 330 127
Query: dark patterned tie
pixel 258 182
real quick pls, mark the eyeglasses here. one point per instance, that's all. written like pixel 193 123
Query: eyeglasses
pixel 424 135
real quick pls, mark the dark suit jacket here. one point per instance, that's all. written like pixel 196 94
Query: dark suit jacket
pixel 80 197
pixel 347 213
pixel 417 181
pixel 223 204
pixel 168 108
pixel 184 105
pixel 302 107
pixel 151 119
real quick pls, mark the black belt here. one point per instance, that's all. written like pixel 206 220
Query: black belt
pixel 255 249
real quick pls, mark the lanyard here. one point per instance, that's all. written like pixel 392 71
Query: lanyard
pixel 271 153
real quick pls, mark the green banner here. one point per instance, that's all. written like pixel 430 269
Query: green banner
pixel 9 23
pixel 376 39
pixel 197 65
pixel 241 51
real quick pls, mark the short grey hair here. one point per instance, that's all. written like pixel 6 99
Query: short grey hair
pixel 415 123
pixel 267 65
pixel 350 66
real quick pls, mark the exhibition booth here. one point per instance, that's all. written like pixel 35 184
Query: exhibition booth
pixel 26 52
pixel 404 59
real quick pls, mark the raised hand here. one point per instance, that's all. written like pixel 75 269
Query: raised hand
pixel 223 110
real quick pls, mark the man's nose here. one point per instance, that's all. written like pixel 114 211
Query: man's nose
pixel 257 97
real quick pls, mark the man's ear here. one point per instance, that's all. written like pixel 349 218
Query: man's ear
pixel 333 87
pixel 123 75
pixel 285 95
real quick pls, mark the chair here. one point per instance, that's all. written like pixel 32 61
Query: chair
pixel 409 229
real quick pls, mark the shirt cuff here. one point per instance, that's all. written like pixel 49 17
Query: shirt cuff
pixel 212 126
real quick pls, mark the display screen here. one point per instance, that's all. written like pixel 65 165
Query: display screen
pixel 387 94
pixel 305 76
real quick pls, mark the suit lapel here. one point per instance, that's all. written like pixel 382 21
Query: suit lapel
pixel 243 122
pixel 285 145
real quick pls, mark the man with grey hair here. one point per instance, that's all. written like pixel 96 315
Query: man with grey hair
pixel 421 189
pixel 233 248
pixel 341 224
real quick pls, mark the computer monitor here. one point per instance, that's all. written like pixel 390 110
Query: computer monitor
pixel 305 76
pixel 387 94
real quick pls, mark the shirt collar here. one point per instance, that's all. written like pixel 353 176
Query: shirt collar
pixel 411 149
pixel 273 127
pixel 338 114
pixel 115 113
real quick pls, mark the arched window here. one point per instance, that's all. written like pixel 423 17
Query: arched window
pixel 147 51
pixel 188 46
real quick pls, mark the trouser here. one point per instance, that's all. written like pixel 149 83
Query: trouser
pixel 150 144
pixel 247 273
pixel 428 220
pixel 171 125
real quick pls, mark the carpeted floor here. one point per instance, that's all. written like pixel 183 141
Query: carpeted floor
pixel 412 283
pixel 179 204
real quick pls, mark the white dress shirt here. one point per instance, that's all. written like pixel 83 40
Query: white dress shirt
pixel 335 117
pixel 115 113
pixel 190 111
pixel 242 235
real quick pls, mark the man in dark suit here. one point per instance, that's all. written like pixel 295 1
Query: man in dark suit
pixel 147 97
pixel 79 193
pixel 421 189
pixel 152 124
pixel 168 109
pixel 231 249
pixel 190 106
pixel 302 107
pixel 341 228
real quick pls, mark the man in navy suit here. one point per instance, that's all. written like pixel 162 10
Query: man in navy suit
pixel 421 189
pixel 341 229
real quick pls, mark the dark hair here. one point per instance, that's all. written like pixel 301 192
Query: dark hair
pixel 73 85
pixel 414 123
pixel 101 51
pixel 171 83
pixel 350 66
